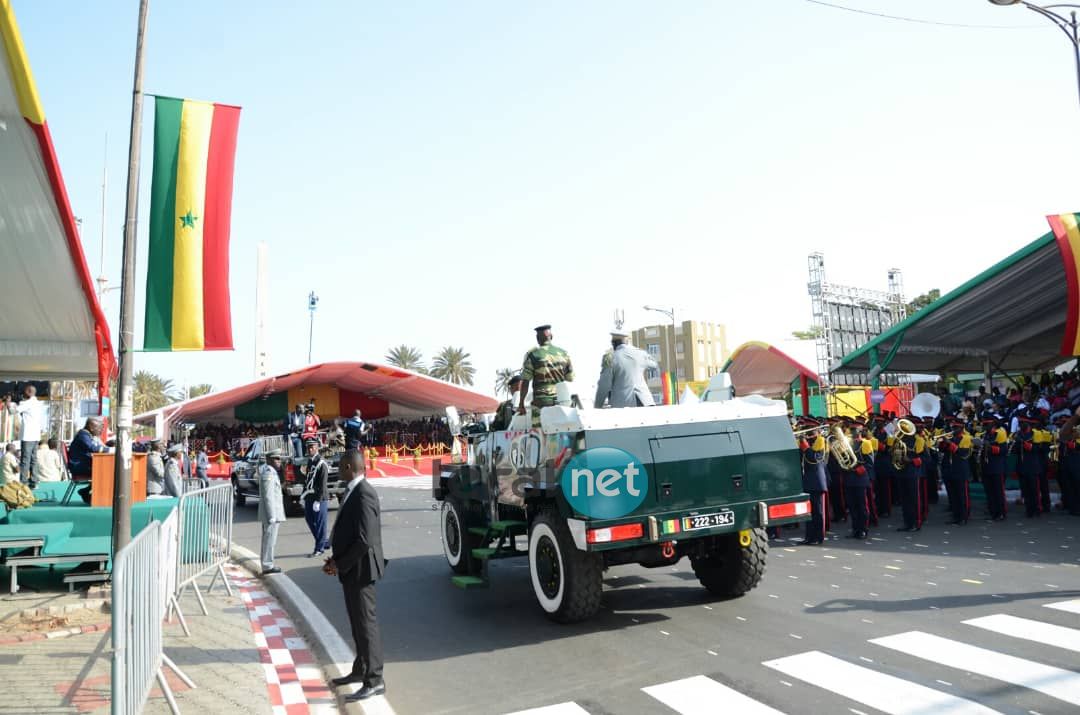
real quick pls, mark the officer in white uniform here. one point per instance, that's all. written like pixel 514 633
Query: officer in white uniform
pixel 622 375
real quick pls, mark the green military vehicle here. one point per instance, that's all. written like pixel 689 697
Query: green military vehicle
pixel 592 489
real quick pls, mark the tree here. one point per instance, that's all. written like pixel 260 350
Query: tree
pixel 502 380
pixel 203 388
pixel 922 301
pixel 152 391
pixel 809 334
pixel 452 365
pixel 407 358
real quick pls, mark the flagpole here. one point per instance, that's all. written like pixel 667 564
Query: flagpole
pixel 125 393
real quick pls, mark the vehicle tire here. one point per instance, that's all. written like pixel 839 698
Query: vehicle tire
pixel 567 582
pixel 457 542
pixel 238 496
pixel 733 569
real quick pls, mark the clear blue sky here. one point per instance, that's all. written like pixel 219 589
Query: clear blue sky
pixel 456 173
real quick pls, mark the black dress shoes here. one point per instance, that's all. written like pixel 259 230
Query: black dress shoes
pixel 267 572
pixel 366 692
pixel 347 680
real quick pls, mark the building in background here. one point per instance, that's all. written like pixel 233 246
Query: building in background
pixel 698 350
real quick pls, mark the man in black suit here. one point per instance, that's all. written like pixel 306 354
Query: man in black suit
pixel 357 561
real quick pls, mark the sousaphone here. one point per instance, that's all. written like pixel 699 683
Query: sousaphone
pixel 926 404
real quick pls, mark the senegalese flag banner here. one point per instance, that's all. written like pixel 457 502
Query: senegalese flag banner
pixel 187 281
pixel 1066 230
pixel 667 388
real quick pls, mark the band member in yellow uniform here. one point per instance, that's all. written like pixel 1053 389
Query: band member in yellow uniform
pixel 814 480
pixel 857 484
pixel 956 453
pixel 883 471
pixel 994 457
pixel 908 481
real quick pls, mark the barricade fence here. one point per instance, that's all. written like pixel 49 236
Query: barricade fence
pixel 139 579
pixel 136 621
pixel 204 540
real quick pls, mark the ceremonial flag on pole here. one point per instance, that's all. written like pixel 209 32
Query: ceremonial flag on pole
pixel 667 388
pixel 187 281
pixel 1067 234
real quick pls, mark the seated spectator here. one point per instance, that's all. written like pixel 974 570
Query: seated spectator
pixel 49 467
pixel 9 464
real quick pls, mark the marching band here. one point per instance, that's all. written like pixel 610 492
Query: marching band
pixel 857 472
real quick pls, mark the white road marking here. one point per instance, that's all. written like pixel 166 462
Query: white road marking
pixel 1069 606
pixel 1055 682
pixel 400 482
pixel 1045 633
pixel 560 709
pixel 884 692
pixel 704 696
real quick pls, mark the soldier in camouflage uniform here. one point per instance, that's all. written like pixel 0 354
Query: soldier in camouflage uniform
pixel 545 366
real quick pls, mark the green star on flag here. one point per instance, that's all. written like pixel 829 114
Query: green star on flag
pixel 188 220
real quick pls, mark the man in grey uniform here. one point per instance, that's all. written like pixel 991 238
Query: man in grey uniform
pixel 622 375
pixel 174 483
pixel 271 508
pixel 155 470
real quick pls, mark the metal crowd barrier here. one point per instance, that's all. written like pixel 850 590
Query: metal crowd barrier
pixel 204 541
pixel 137 609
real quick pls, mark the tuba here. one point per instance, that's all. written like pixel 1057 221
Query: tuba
pixel 904 428
pixel 840 447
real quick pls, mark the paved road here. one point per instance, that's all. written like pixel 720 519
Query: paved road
pixel 888 624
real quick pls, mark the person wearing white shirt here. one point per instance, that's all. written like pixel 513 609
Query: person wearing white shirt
pixel 49 466
pixel 31 419
pixel 9 464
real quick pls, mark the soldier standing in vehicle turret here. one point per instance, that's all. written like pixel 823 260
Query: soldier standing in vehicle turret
pixel 545 367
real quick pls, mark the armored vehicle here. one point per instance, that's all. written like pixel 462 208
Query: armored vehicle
pixel 596 488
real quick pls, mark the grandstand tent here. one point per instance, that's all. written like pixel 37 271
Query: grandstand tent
pixel 1020 314
pixel 337 389
pixel 51 326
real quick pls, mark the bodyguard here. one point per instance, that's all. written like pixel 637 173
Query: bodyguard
pixel 271 508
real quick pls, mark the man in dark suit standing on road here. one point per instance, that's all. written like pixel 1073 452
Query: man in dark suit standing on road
pixel 357 561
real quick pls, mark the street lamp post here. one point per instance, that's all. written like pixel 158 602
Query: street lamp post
pixel 674 355
pixel 1069 25
pixel 312 301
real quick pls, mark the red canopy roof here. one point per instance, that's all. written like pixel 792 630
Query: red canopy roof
pixel 412 391
pixel 758 368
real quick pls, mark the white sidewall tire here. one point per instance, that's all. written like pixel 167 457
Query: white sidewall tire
pixel 539 530
pixel 452 559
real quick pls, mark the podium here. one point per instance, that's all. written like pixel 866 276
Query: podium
pixel 102 478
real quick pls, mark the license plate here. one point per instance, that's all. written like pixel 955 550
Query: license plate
pixel 707 521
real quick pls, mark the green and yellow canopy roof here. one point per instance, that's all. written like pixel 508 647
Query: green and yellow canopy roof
pixel 1021 314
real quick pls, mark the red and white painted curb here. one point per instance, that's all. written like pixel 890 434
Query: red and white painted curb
pixel 294 680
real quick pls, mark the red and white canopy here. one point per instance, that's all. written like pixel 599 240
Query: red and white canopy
pixel 758 368
pixel 407 393
pixel 51 324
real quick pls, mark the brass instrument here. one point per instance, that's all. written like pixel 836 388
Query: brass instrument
pixel 903 428
pixel 841 449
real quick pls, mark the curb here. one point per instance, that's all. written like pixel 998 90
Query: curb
pixel 334 654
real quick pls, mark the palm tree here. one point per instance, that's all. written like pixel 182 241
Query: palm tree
pixel 407 358
pixel 152 391
pixel 452 365
pixel 203 388
pixel 502 380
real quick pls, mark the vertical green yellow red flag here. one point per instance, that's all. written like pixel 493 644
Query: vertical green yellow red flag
pixel 187 282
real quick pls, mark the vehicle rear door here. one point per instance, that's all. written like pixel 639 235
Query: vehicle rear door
pixel 699 470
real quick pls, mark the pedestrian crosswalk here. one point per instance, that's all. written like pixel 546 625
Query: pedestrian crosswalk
pixel 865 684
